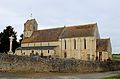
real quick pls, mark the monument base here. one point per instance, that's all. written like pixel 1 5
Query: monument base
pixel 10 52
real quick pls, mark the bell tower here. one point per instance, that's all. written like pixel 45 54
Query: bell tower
pixel 29 27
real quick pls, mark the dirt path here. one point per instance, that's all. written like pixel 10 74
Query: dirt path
pixel 58 76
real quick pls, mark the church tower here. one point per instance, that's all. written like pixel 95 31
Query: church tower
pixel 29 27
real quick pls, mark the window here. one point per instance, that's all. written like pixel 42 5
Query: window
pixel 65 43
pixel 23 53
pixel 32 51
pixel 36 54
pixel 84 43
pixel 65 55
pixel 74 44
pixel 48 45
pixel 48 51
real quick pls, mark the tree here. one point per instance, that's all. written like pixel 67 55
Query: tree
pixel 5 42
pixel 21 39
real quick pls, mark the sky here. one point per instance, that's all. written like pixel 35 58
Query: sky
pixel 57 13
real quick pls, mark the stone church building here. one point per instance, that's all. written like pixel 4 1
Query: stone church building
pixel 78 42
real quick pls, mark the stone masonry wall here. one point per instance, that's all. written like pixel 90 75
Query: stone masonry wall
pixel 12 63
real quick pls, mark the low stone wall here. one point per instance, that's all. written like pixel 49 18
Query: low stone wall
pixel 13 63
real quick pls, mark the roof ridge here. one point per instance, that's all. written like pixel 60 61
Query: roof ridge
pixel 50 29
pixel 82 25
pixel 68 26
pixel 104 38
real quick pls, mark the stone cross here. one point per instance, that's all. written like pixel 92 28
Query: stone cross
pixel 31 15
pixel 11 39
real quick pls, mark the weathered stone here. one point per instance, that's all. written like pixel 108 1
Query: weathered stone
pixel 14 63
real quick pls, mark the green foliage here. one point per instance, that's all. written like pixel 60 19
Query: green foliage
pixel 4 39
pixel 21 38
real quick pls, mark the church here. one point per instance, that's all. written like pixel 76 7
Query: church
pixel 79 42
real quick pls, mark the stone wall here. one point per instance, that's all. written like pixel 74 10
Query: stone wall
pixel 12 63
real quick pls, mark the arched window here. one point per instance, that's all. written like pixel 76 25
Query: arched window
pixel 84 43
pixel 32 51
pixel 48 45
pixel 36 54
pixel 74 43
pixel 48 51
pixel 65 43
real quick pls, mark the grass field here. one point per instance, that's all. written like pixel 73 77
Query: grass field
pixel 113 77
pixel 116 56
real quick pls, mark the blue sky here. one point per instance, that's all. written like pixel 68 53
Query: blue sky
pixel 55 13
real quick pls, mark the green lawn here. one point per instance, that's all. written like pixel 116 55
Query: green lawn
pixel 116 57
pixel 113 77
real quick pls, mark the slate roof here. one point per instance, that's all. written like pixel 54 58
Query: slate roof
pixel 37 48
pixel 102 45
pixel 55 34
